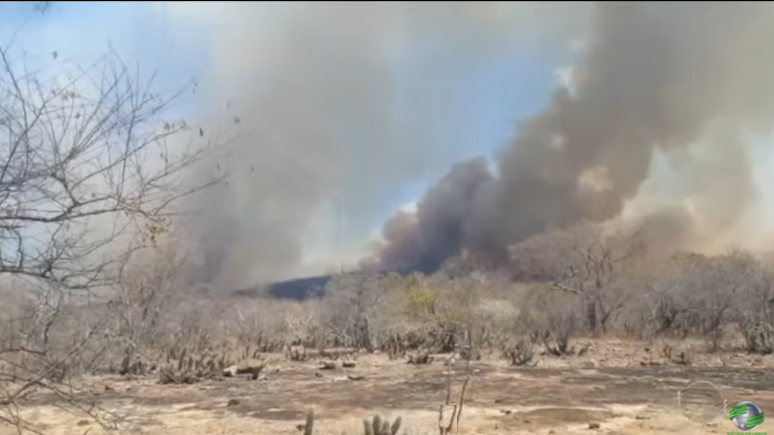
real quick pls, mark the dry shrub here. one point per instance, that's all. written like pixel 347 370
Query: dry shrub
pixel 519 353
pixel 420 358
pixel 297 353
pixel 552 319
pixel 758 336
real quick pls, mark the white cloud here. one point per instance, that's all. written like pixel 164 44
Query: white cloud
pixel 410 207
pixel 566 77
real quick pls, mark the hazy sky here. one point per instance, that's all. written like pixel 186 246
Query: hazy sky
pixel 495 92
pixel 482 97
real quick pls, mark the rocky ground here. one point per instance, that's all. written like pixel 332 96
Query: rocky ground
pixel 615 387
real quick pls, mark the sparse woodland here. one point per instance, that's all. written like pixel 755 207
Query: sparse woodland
pixel 152 325
pixel 95 281
pixel 88 179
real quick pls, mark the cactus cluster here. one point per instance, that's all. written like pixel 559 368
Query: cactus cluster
pixel 395 346
pixel 133 365
pixel 419 358
pixel 297 352
pixel 190 370
pixel 377 426
pixel 177 361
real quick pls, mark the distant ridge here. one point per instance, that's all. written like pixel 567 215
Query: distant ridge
pixel 299 288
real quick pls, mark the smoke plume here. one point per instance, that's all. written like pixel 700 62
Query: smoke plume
pixel 327 117
pixel 691 81
pixel 330 121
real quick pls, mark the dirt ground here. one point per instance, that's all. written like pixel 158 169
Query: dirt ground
pixel 617 387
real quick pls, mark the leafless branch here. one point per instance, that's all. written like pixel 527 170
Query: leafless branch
pixel 89 174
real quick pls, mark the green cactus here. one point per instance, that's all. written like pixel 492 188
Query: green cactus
pixel 181 363
pixel 309 426
pixel 395 426
pixel 378 427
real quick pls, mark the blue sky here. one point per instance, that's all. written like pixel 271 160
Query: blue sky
pixel 492 95
pixel 82 31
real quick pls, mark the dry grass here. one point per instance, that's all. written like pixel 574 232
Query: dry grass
pixel 393 347
pixel 614 385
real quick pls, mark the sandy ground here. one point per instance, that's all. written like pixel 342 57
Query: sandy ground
pixel 617 387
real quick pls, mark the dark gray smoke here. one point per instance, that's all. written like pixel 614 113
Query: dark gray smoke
pixel 331 118
pixel 691 80
pixel 423 241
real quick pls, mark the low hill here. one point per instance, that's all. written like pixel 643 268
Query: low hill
pixel 298 289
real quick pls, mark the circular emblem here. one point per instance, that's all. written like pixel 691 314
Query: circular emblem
pixel 746 415
pixel 702 402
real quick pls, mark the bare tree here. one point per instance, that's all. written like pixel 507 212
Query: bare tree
pixel 150 286
pixel 353 301
pixel 86 166
pixel 754 307
pixel 705 292
pixel 586 260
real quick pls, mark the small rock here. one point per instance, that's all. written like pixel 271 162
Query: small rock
pixel 83 423
pixel 641 417
pixel 355 377
pixel 526 420
pixel 506 411
pixel 348 364
pixel 593 425
pixel 232 402
pixel 251 369
pixel 327 365
pixel 109 388
pixel 318 374
pixel 551 432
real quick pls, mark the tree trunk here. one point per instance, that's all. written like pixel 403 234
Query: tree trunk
pixel 591 315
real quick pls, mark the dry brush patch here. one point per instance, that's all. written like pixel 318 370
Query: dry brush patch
pixel 82 193
pixel 570 288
